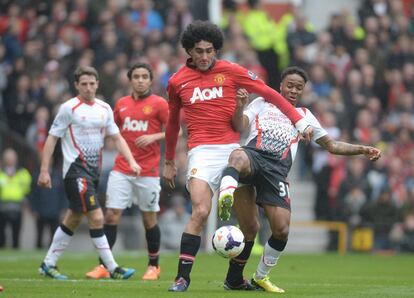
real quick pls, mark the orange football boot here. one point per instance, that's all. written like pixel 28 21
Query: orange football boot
pixel 152 273
pixel 98 272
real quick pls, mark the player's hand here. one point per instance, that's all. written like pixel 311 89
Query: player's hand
pixel 307 134
pixel 44 180
pixel 144 140
pixel 170 171
pixel 135 168
pixel 372 153
pixel 242 97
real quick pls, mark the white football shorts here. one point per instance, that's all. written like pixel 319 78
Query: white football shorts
pixel 206 162
pixel 125 190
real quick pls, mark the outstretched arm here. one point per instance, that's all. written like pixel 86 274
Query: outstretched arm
pixel 343 148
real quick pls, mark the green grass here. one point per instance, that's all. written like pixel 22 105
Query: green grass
pixel 326 275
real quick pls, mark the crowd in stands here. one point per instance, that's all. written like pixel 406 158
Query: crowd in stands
pixel 361 86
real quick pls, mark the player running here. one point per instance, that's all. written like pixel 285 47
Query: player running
pixel 205 88
pixel 82 123
pixel 264 162
pixel 141 117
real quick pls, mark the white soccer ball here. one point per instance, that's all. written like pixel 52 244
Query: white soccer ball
pixel 228 241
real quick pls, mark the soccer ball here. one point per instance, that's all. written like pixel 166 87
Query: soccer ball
pixel 228 241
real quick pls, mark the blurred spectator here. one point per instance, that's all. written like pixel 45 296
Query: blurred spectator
pixel 381 215
pixel 354 178
pixel 36 133
pixel 145 17
pixel 20 105
pixel 260 29
pixel 339 63
pixel 350 207
pixel 179 16
pixel 14 187
pixel 320 81
pixel 321 169
pixel 299 34
pixel 406 243
pixel 4 72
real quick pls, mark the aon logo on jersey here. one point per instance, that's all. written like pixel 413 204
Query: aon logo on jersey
pixel 135 125
pixel 206 94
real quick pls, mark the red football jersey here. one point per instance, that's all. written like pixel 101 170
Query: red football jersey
pixel 134 119
pixel 209 100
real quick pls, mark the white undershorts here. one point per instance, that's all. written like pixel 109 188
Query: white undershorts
pixel 125 190
pixel 207 163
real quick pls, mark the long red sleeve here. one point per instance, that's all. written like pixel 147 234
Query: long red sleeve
pixel 173 125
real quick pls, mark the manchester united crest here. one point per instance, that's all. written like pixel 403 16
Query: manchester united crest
pixel 193 171
pixel 219 79
pixel 147 110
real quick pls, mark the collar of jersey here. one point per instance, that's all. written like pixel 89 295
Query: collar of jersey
pixel 89 103
pixel 142 96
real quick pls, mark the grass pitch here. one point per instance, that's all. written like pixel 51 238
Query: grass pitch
pixel 326 275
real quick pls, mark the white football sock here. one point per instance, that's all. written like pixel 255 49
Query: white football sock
pixel 228 185
pixel 102 247
pixel 60 242
pixel 267 262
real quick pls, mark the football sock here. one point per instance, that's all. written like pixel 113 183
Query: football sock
pixel 110 233
pixel 101 244
pixel 61 240
pixel 236 265
pixel 153 236
pixel 229 180
pixel 190 244
pixel 271 254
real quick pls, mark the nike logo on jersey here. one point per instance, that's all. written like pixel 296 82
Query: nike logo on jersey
pixel 122 109
pixel 183 85
pixel 206 94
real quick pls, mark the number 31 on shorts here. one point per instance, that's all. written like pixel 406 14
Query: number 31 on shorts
pixel 284 189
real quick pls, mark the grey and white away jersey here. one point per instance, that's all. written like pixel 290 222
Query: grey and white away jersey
pixel 272 132
pixel 82 128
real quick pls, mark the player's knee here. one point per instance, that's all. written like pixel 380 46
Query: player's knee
pixel 281 232
pixel 72 221
pixel 200 214
pixel 112 216
pixel 237 159
pixel 96 220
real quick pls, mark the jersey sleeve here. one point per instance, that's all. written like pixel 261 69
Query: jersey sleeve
pixel 247 79
pixel 253 109
pixel 173 124
pixel 111 127
pixel 62 121
pixel 318 130
pixel 163 111
pixel 117 117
